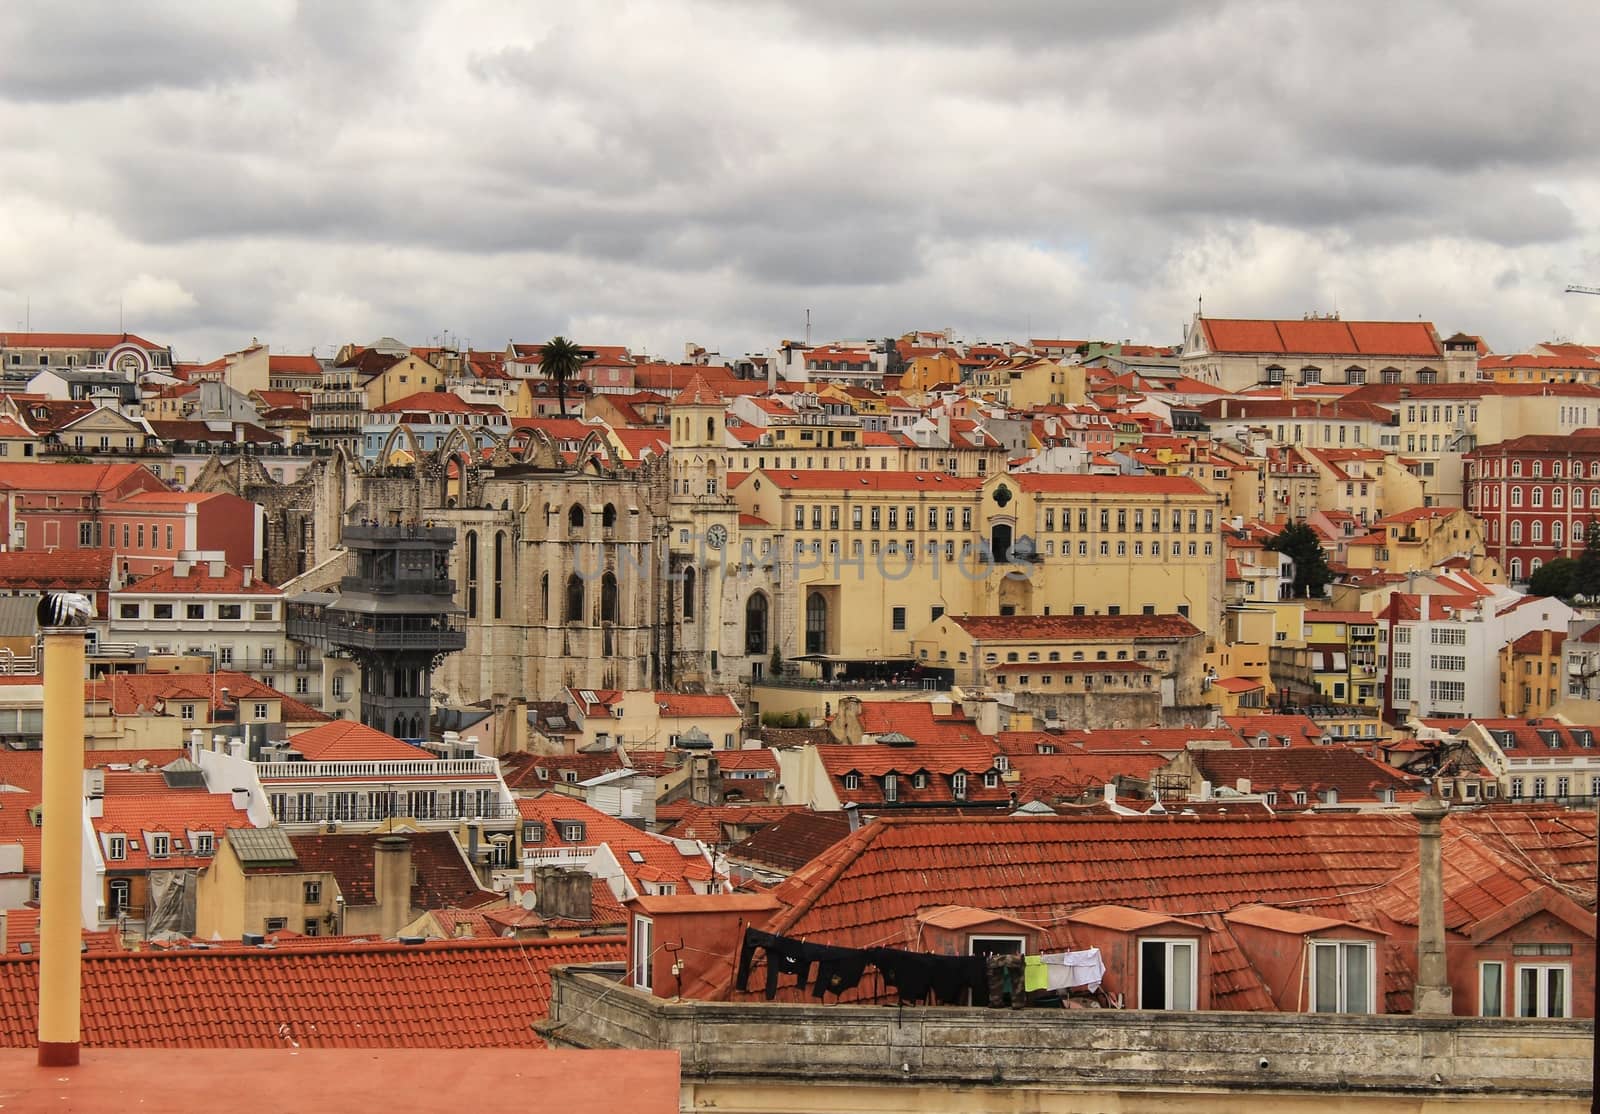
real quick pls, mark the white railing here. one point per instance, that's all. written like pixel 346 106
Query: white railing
pixel 399 768
pixel 533 856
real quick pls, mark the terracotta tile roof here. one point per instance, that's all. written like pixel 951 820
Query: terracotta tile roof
pixel 1074 628
pixel 790 842
pixel 198 581
pixel 442 878
pixel 149 756
pixel 76 340
pixel 83 569
pixel 446 994
pixel 192 431
pixel 1311 770
pixel 294 365
pixel 155 809
pixel 1533 642
pixel 698 393
pixel 1073 774
pixel 692 705
pixel 939 760
pixel 711 823
pixel 1076 484
pixel 128 693
pixel 524 771
pixel 431 402
pixel 1532 738
pixel 345 740
pixel 922 720
pixel 753 758
pixel 99 478
pixel 1322 338
pixel 836 480
pixel 663 860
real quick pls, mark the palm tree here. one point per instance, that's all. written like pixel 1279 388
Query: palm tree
pixel 559 361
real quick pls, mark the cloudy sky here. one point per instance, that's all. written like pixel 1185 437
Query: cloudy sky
pixel 647 172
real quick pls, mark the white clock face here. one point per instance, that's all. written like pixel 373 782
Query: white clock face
pixel 717 536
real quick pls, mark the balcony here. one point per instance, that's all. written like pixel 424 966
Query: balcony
pixel 442 634
pixel 398 586
pixel 391 770
pixel 558 856
pixel 374 533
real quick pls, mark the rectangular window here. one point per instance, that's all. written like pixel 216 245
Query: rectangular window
pixel 127 611
pixel 116 847
pixel 1341 977
pixel 204 843
pixel 194 611
pixel 1491 989
pixel 1167 974
pixel 161 611
pixel 1542 990
pixel 897 620
pixel 644 943
pixel 313 892
pixel 230 611
pixel 263 612
pixel 160 845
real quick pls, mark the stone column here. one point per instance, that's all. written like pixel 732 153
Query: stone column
pixel 1432 994
pixel 63 618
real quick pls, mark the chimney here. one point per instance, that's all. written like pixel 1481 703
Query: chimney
pixel 853 815
pixel 1243 786
pixel 564 893
pixel 241 798
pixel 218 569
pixel 249 575
pixel 181 567
pixel 1432 994
pixel 1205 790
pixel 61 842
pixel 391 884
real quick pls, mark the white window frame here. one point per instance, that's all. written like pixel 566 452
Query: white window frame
pixel 204 843
pixel 1171 943
pixel 116 847
pixel 160 845
pixel 999 938
pixel 644 942
pixel 1542 1004
pixel 1500 1002
pixel 1342 989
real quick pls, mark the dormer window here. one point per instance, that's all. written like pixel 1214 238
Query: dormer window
pixel 891 788
pixel 852 781
pixel 958 785
pixel 116 847
pixel 533 832
pixel 160 845
pixel 991 779
pixel 204 843
pixel 1342 974
pixel 570 831
pixel 919 781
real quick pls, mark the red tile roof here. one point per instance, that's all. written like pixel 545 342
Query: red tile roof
pixel 81 569
pixel 1309 770
pixel 153 808
pixel 711 823
pixel 698 393
pixel 1533 642
pixel 836 480
pixel 448 994
pixel 346 740
pixel 432 402
pixel 441 877
pixel 1058 483
pixel 1074 628
pixel 792 841
pixel 198 581
pixel 75 340
pixel 1322 338
pixel 939 760
pixel 99 478
pixel 693 705
pixel 130 693
pixel 663 861
pixel 525 771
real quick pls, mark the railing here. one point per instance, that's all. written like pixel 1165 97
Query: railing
pixel 397 533
pixel 1569 801
pixel 535 855
pixel 379 770
pixel 409 586
pixel 443 640
pixel 363 813
pixel 923 684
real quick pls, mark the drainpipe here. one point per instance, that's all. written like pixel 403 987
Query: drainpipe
pixel 1432 994
pixel 64 618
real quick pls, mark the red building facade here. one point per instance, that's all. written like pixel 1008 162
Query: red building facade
pixel 1536 496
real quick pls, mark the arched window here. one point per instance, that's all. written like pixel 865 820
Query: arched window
pixel 472 574
pixel 1516 532
pixel 1536 532
pixel 1558 497
pixel 608 516
pixel 1427 375
pixel 544 596
pixel 1538 496
pixel 1557 534
pixel 688 593
pixel 575 516
pixel 118 891
pixel 1516 496
pixel 499 570
pixel 1535 565
pixel 574 611
pixel 711 429
pixel 816 623
pixel 608 598
pixel 1000 542
pixel 755 624
pixel 1516 568
pixel 1577 498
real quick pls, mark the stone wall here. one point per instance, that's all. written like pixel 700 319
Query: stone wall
pixel 828 1057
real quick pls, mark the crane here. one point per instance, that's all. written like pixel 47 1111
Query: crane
pixel 1575 289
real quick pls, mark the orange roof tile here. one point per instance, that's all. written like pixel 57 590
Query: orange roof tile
pixel 445 994
pixel 346 740
pixel 198 581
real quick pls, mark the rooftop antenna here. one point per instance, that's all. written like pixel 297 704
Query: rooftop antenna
pixel 808 328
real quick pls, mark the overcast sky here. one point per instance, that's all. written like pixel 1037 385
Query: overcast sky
pixel 657 171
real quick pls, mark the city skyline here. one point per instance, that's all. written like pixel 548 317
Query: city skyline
pixel 709 172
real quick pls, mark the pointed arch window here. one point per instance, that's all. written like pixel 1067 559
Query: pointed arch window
pixel 755 624
pixel 608 598
pixel 574 609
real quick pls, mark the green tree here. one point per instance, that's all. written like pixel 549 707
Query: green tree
pixel 1586 577
pixel 1554 579
pixel 1301 545
pixel 560 360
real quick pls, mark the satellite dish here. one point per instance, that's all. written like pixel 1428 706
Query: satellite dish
pixel 529 900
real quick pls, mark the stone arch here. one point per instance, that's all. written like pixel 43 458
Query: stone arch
pixel 390 443
pixel 596 445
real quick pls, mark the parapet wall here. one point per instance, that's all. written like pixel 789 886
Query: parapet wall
pixel 1397 1062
